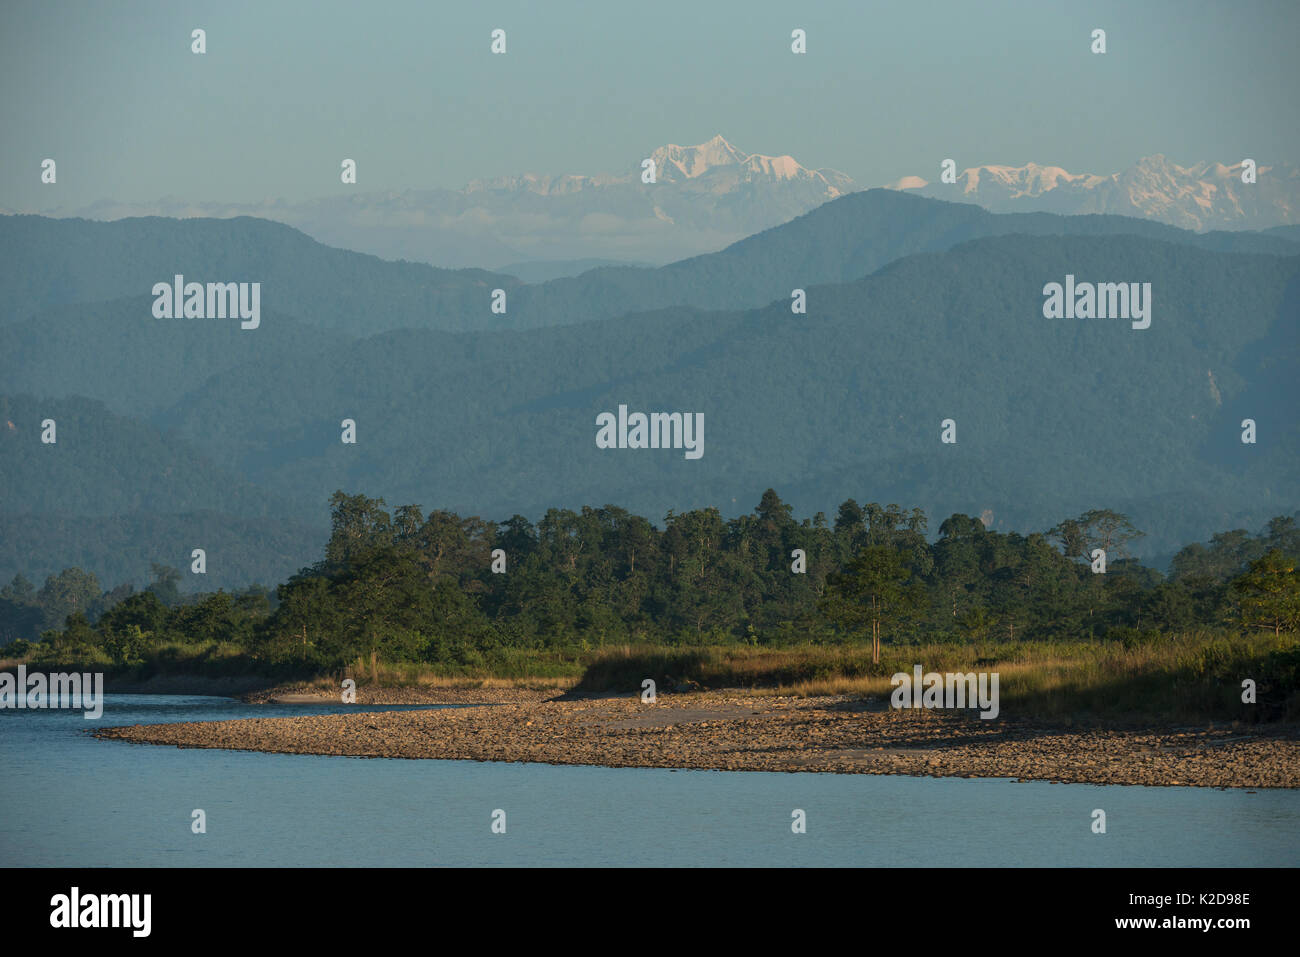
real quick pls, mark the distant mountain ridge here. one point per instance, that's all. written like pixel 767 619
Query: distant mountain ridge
pixel 917 310
pixel 1200 197
pixel 846 400
pixel 710 195
pixel 707 197
pixel 359 295
pixel 719 166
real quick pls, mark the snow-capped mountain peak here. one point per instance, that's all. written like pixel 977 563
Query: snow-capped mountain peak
pixel 1207 195
pixel 714 166
pixel 726 167
pixel 692 161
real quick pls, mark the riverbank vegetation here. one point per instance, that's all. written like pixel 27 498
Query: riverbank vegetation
pixel 600 599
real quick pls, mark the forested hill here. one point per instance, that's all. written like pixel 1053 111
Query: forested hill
pixel 45 263
pixel 360 295
pixel 162 420
pixel 141 366
pixel 1052 415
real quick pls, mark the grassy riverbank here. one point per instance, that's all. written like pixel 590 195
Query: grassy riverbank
pixel 1194 676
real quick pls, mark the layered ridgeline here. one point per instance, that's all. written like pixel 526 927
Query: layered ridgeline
pixel 1052 416
pixel 113 495
pixel 129 547
pixel 705 197
pixel 712 194
pixel 49 263
pixel 312 297
pixel 105 351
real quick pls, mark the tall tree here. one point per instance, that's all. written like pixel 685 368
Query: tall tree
pixel 357 525
pixel 71 591
pixel 1269 592
pixel 874 589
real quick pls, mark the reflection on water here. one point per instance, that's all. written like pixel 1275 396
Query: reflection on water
pixel 69 799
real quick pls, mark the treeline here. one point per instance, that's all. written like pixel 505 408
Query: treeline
pixel 400 586
pixel 124 547
pixel 71 614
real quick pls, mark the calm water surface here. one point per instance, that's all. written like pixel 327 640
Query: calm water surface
pixel 69 799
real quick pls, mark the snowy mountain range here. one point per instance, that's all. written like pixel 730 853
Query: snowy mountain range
pixel 1201 197
pixel 708 196
pixel 714 167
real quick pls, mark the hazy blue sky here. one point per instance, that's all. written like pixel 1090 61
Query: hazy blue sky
pixel 410 90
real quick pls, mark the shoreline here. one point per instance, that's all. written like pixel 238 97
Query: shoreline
pixel 258 690
pixel 743 731
pixel 468 693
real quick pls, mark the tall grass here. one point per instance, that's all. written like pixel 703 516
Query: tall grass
pixel 507 668
pixel 205 659
pixel 1196 675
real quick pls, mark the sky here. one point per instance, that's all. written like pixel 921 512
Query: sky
pixel 411 91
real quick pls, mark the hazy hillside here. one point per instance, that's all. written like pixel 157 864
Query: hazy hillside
pixel 544 270
pixel 705 197
pixel 123 548
pixel 54 262
pixel 1053 415
pixel 360 295
pixel 118 353
pixel 103 464
pixel 113 495
pixel 843 240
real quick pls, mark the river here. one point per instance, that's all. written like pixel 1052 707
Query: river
pixel 69 799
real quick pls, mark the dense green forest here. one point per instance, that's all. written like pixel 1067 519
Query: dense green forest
pixel 1053 416
pixel 918 310
pixel 400 586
